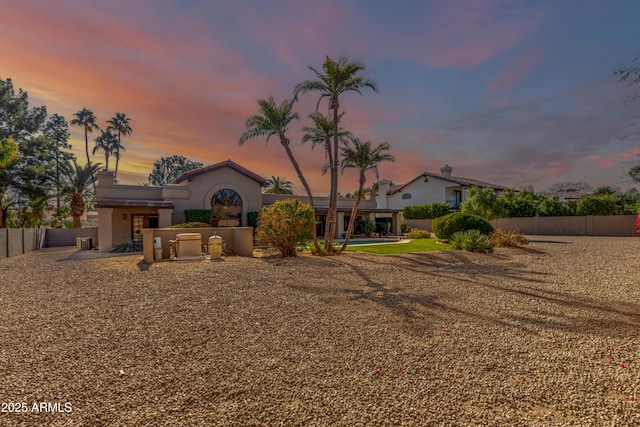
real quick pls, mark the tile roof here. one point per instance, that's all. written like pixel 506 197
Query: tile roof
pixel 465 182
pixel 227 163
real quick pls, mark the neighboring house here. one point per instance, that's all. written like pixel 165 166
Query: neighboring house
pixel 428 188
pixel 228 189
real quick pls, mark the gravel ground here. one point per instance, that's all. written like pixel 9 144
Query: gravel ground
pixel 543 336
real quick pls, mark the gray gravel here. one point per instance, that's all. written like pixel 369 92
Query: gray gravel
pixel 543 336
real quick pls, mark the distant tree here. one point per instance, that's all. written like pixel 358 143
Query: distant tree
pixel 120 123
pixel 485 203
pixel 273 120
pixel 167 169
pixel 363 157
pixel 629 75
pixel 87 119
pixel 57 131
pixel 336 78
pixel 77 189
pixel 277 185
pixel 107 141
pixel 28 175
pixel 581 187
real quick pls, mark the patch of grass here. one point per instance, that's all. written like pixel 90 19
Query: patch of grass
pixel 417 245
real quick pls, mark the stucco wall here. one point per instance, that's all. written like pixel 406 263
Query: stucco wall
pixel 202 188
pixel 239 240
pixel 610 225
pixel 56 237
pixel 422 193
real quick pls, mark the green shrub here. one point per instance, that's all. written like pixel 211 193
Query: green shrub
pixel 472 241
pixel 252 218
pixel 598 205
pixel 445 226
pixel 285 224
pixel 508 238
pixel 191 225
pixel 416 233
pixel 430 211
pixel 198 215
pixel 365 226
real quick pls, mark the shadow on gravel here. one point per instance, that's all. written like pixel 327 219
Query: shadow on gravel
pixel 525 303
pixel 85 255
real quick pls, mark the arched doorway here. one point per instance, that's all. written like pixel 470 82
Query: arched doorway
pixel 226 208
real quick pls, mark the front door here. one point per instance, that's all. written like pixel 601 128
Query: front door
pixel 140 221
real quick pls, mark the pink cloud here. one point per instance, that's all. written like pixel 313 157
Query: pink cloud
pixel 608 160
pixel 511 76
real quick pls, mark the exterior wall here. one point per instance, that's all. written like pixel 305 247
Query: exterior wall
pixel 56 237
pixel 422 193
pixel 18 241
pixel 592 225
pixel 611 225
pixel 239 240
pixel 202 188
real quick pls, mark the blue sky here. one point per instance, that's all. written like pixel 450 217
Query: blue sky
pixel 516 93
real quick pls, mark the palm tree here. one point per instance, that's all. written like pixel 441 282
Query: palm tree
pixel 277 185
pixel 273 119
pixel 363 157
pixel 106 142
pixel 86 119
pixel 120 123
pixel 77 188
pixel 336 78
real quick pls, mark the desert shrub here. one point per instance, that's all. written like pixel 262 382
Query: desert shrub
pixel 485 203
pixel 366 226
pixel 472 241
pixel 508 238
pixel 416 233
pixel 285 224
pixel 192 225
pixel 429 211
pixel 403 224
pixel 127 247
pixel 198 215
pixel 445 226
pixel 598 205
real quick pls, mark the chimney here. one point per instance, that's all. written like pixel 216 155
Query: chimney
pixel 445 171
pixel 383 189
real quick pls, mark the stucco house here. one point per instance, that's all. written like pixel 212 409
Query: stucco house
pixel 227 188
pixel 429 187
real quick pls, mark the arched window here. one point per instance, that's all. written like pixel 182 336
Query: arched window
pixel 406 196
pixel 226 208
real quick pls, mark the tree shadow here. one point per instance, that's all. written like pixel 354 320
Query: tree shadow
pixel 524 287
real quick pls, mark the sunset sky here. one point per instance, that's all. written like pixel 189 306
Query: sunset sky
pixel 511 92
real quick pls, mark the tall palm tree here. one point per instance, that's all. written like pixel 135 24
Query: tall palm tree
pixel 361 156
pixel 77 189
pixel 120 123
pixel 337 77
pixel 277 185
pixel 86 119
pixel 106 142
pixel 273 119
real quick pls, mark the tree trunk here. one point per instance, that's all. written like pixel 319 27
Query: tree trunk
pixel 333 202
pixel 117 154
pixel 354 212
pixel 86 149
pixel 285 143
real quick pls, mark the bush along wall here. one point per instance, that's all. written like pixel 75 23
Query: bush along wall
pixel 430 211
pixel 198 215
